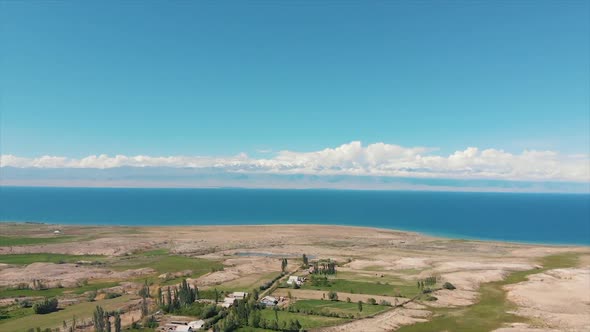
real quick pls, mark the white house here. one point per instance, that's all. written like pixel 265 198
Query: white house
pixel 295 280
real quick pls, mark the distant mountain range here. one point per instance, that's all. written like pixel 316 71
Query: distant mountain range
pixel 211 177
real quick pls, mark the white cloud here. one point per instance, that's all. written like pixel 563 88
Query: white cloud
pixel 378 159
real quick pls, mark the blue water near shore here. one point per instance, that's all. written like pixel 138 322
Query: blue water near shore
pixel 535 218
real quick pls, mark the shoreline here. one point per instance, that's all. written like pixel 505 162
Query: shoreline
pixel 426 235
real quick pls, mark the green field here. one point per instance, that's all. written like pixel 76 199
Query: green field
pixel 25 259
pixel 14 312
pixel 158 260
pixel 81 311
pixel 252 329
pixel 155 252
pixel 491 312
pixel 8 241
pixel 365 287
pixel 340 307
pixel 375 277
pixel 247 283
pixel 51 292
pixel 164 263
pixel 306 321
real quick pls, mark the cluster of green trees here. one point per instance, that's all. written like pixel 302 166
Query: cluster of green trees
pixel 425 284
pixel 324 267
pixel 175 298
pixel 46 306
pixel 269 283
pixel 102 320
pixel 247 313
pixel 145 290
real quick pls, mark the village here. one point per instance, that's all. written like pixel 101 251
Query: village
pixel 176 323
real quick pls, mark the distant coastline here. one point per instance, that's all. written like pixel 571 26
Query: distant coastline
pixel 559 219
pixel 369 228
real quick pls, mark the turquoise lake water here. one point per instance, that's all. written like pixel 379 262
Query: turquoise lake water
pixel 538 218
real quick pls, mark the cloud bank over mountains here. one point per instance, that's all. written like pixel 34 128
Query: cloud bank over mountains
pixel 353 159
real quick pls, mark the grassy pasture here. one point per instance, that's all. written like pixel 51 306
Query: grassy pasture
pixel 365 287
pixel 306 321
pixel 248 282
pixel 164 263
pixel 51 292
pixel 340 307
pixel 8 241
pixel 81 311
pixel 25 259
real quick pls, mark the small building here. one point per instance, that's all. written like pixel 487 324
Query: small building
pixel 169 327
pixel 228 302
pixel 179 322
pixel 269 301
pixel 196 324
pixel 57 232
pixel 239 295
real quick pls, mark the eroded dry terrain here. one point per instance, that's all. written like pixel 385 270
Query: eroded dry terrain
pixel 371 264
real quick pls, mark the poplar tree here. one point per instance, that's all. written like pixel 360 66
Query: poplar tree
pixel 117 322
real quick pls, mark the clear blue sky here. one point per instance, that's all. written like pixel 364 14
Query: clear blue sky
pixel 197 78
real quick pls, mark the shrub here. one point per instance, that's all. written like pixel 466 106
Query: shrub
pixel 217 269
pixel 333 296
pixel 135 325
pixel 46 306
pixel 371 301
pixel 91 296
pixel 25 304
pixel 151 322
pixel 39 285
pixel 448 285
pixel 22 285
pixel 111 295
pixel 383 302
pixel 209 311
pixel 431 298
